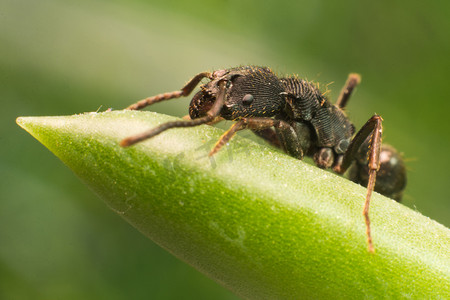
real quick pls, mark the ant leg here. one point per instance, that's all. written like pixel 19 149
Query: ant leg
pixel 215 121
pixel 352 81
pixel 270 136
pixel 210 116
pixel 294 138
pixel 256 124
pixel 371 131
pixel 186 90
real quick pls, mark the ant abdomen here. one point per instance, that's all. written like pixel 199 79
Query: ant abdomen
pixel 391 177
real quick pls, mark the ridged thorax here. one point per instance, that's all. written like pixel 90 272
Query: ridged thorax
pixel 303 97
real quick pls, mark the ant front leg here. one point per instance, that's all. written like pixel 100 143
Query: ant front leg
pixel 185 91
pixel 209 117
pixel 372 131
pixel 216 120
pixel 294 137
pixel 270 136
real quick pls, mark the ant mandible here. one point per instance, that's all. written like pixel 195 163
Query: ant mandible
pixel 292 114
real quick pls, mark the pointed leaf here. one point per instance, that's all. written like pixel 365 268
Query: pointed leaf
pixel 259 222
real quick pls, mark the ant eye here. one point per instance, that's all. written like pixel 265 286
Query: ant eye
pixel 247 99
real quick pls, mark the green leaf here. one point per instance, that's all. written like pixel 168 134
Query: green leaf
pixel 257 221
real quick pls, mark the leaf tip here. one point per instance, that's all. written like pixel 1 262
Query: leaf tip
pixel 24 122
pixel 34 125
pixel 20 121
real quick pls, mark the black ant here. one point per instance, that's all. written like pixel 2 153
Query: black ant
pixel 292 114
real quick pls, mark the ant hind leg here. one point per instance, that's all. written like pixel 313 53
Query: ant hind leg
pixel 372 130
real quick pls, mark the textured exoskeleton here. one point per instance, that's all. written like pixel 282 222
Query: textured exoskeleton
pixel 294 115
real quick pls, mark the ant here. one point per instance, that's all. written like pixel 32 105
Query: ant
pixel 291 114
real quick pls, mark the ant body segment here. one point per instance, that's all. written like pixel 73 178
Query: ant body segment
pixel 291 114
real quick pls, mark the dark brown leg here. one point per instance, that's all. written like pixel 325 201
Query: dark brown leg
pixel 210 116
pixel 186 90
pixel 247 123
pixel 270 136
pixel 352 81
pixel 215 121
pixel 294 138
pixel 372 130
pixel 324 158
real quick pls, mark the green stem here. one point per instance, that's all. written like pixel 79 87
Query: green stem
pixel 259 222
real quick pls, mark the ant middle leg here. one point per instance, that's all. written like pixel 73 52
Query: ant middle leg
pixel 186 90
pixel 209 117
pixel 372 132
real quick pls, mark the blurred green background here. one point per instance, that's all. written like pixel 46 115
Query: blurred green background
pixel 58 241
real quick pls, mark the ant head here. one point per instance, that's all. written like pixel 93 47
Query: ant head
pixel 201 103
pixel 250 92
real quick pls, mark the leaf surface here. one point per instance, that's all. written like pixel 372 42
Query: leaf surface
pixel 257 221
